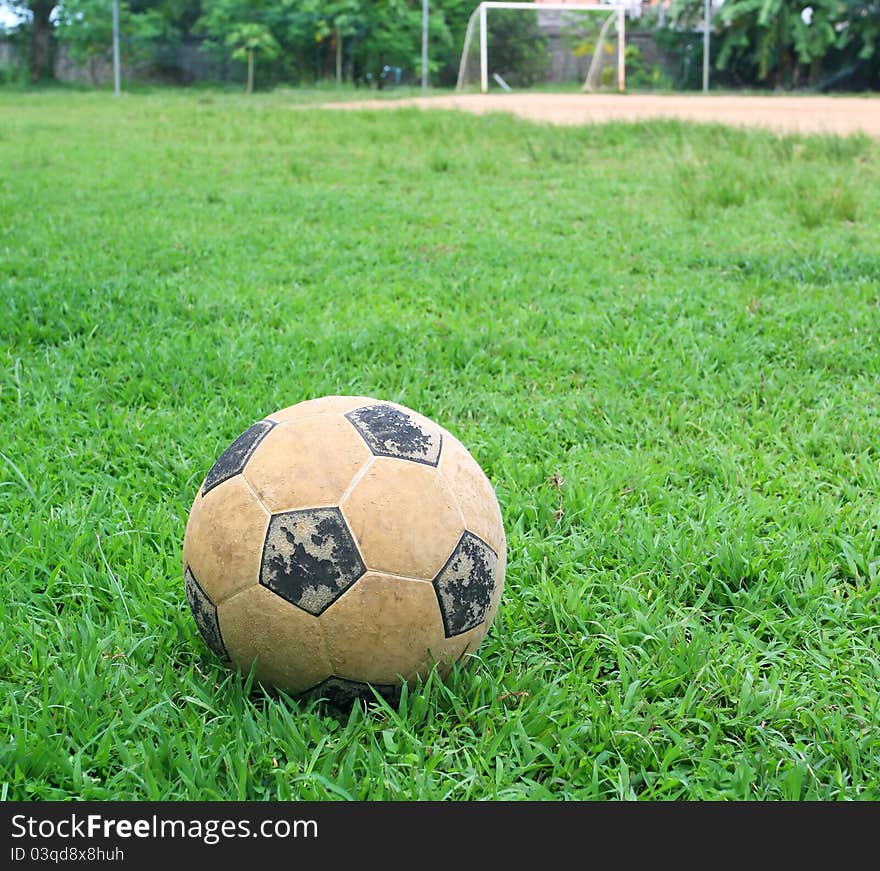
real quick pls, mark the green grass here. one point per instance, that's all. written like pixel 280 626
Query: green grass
pixel 661 341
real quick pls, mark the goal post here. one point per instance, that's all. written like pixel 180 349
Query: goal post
pixel 479 17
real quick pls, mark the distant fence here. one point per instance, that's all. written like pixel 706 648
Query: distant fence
pixel 657 58
pixel 189 63
pixel 183 64
pixel 8 54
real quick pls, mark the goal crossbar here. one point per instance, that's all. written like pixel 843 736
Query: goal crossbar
pixel 480 13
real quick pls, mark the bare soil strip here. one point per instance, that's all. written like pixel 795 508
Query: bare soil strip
pixel 783 114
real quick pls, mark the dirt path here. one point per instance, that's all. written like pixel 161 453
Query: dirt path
pixel 783 114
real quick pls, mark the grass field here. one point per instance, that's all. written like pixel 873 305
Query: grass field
pixel 661 341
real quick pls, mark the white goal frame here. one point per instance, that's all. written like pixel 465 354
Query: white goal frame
pixel 480 13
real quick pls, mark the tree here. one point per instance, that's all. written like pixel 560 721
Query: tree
pixel 40 14
pixel 791 43
pixel 382 33
pixel 861 27
pixel 242 29
pixel 784 42
pixel 85 28
pixel 248 39
pixel 389 36
pixel 449 20
pixel 338 20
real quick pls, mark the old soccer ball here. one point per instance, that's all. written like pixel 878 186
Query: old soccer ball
pixel 344 544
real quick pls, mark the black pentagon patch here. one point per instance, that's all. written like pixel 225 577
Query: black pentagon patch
pixel 464 585
pixel 205 613
pixel 343 693
pixel 231 462
pixel 310 558
pixel 390 432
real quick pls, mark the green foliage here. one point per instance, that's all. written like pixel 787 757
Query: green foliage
pixel 449 20
pixel 373 34
pixel 766 43
pixel 639 74
pixel 246 40
pixel 250 38
pixel 517 46
pixel 13 67
pixel 390 36
pixel 780 41
pixel 681 49
pixel 865 16
pixel 85 28
pixel 666 362
pixel 792 43
pixel 388 33
pixel 239 30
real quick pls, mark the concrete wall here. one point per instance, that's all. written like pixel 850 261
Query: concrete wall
pixel 179 65
pixel 8 54
pixel 564 30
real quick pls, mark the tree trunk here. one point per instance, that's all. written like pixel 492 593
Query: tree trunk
pixel 250 80
pixel 41 36
pixel 338 57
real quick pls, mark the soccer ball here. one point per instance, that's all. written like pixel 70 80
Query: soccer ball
pixel 341 544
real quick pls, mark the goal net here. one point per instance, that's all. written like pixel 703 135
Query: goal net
pixel 544 44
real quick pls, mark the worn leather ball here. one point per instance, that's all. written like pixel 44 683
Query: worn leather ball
pixel 343 546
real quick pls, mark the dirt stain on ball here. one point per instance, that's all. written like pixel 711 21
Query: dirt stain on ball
pixel 464 585
pixel 391 432
pixel 310 558
pixel 235 457
pixel 205 614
